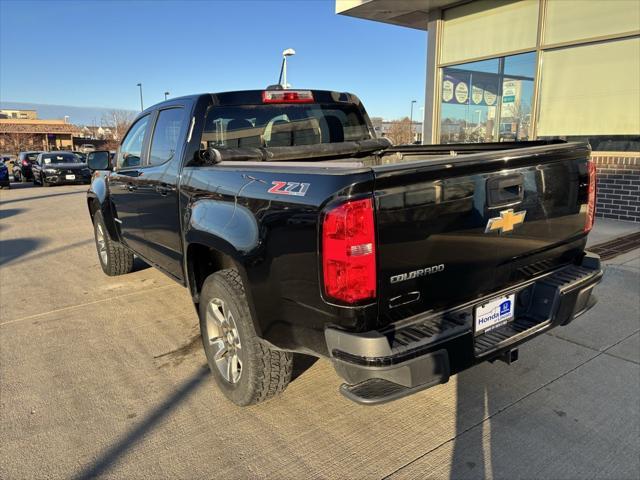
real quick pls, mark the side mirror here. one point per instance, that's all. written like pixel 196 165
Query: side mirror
pixel 99 160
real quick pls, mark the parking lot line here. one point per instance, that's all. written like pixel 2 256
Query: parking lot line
pixel 80 305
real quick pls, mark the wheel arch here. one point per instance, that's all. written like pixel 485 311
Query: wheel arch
pixel 98 200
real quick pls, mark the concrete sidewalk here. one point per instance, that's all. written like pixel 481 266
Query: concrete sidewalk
pixel 105 377
pixel 605 229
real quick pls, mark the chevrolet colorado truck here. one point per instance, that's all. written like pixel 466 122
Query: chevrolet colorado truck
pixel 296 230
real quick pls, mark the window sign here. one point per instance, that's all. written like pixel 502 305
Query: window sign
pixel 457 83
pixel 447 90
pixel 487 101
pixel 462 92
pixel 477 93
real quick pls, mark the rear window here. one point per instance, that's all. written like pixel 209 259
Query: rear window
pixel 60 158
pixel 283 125
pixel 31 156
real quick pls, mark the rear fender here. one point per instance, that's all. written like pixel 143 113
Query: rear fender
pixel 229 230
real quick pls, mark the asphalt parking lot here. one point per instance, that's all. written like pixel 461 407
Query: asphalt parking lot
pixel 105 376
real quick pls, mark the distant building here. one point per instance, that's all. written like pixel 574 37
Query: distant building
pixel 18 114
pixel 97 132
pixel 382 128
pixel 20 134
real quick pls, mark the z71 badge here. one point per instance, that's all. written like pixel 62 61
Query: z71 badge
pixel 289 188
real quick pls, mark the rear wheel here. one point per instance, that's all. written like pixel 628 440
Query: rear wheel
pixel 245 368
pixel 114 258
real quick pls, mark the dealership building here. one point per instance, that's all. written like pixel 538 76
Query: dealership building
pixel 501 70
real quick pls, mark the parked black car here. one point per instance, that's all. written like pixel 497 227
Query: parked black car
pixel 58 168
pixel 4 176
pixel 22 168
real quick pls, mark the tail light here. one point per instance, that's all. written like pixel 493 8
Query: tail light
pixel 25 163
pixel 287 96
pixel 591 201
pixel 349 252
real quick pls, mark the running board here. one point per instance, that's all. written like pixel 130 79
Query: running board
pixel 377 391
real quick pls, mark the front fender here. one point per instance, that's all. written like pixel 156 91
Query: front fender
pixel 98 199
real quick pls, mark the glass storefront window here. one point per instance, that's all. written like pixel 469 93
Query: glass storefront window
pixel 487 101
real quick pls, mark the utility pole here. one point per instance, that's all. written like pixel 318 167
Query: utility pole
pixel 411 121
pixel 141 103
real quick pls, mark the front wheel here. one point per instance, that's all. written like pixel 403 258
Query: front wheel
pixel 114 258
pixel 245 368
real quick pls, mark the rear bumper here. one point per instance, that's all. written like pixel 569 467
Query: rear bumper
pixel 379 366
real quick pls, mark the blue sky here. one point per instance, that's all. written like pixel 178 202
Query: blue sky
pixel 93 53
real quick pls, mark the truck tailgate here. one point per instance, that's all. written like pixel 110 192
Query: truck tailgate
pixel 456 228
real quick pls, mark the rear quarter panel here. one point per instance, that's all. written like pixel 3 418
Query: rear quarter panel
pixel 273 240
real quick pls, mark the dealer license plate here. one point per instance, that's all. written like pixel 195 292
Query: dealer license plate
pixel 494 313
pixel 70 177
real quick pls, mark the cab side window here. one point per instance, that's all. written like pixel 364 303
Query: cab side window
pixel 166 135
pixel 131 149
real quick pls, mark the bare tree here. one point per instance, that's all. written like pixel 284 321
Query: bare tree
pixel 16 142
pixel 401 131
pixel 118 121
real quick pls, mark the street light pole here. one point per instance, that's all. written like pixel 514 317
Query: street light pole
pixel 411 121
pixel 166 94
pixel 141 103
pixel 289 52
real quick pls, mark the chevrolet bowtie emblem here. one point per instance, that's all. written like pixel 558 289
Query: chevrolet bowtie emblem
pixel 506 221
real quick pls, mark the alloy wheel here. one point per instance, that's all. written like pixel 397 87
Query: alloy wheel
pixel 102 243
pixel 223 339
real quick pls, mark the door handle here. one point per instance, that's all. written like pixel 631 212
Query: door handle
pixel 131 187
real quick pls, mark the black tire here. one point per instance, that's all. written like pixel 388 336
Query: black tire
pixel 118 259
pixel 43 181
pixel 265 372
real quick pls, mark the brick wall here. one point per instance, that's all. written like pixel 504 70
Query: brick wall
pixel 618 194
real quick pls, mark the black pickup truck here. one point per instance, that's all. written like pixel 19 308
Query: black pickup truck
pixel 296 230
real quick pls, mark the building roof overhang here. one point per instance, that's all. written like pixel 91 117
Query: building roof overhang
pixel 406 13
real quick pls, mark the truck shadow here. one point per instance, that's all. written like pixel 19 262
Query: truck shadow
pixel 129 439
pixel 301 363
pixel 139 264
